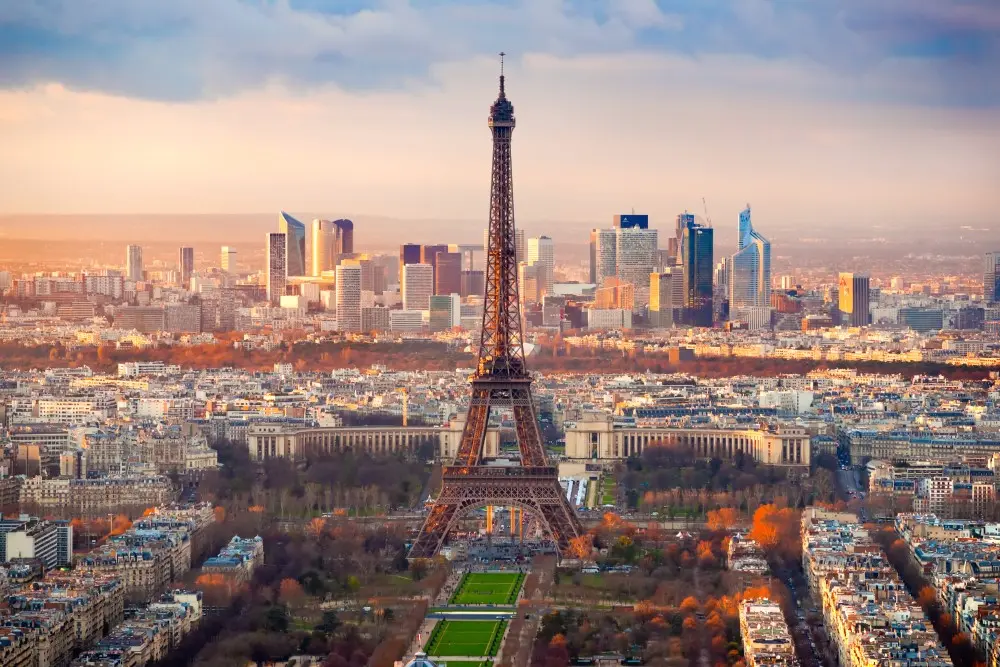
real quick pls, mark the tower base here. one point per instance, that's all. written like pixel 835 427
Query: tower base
pixel 535 490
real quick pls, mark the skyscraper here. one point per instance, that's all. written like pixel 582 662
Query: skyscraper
pixel 636 257
pixel 228 259
pixel 326 243
pixel 349 297
pixel 448 273
pixel 409 253
pixel 697 266
pixel 418 286
pixel 991 278
pixel 133 263
pixel 541 254
pixel 295 238
pixel 750 268
pixel 428 255
pixel 185 266
pixel 604 243
pixel 661 299
pixel 277 266
pixel 346 228
pixel 853 295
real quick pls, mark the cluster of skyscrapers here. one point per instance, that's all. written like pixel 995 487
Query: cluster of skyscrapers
pixel 286 251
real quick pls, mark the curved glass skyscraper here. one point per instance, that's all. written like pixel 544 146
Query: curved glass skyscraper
pixel 750 268
pixel 295 237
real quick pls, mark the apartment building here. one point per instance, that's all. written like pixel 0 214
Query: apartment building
pixel 766 640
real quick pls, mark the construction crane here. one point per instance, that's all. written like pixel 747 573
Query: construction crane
pixel 705 205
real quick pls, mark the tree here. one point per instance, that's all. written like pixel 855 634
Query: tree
pixel 290 592
pixel 724 518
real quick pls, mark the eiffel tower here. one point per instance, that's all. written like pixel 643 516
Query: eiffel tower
pixel 501 380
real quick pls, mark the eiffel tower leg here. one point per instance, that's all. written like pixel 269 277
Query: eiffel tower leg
pixel 435 529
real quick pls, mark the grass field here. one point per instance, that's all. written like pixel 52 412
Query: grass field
pixel 466 638
pixel 609 495
pixel 466 663
pixel 488 588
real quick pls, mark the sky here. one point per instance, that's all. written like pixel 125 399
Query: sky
pixel 814 111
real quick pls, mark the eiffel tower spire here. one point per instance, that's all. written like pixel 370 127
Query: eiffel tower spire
pixel 501 380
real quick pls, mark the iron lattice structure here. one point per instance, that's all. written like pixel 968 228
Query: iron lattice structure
pixel 501 380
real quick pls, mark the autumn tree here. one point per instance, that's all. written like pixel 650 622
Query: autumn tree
pixel 724 518
pixel 290 592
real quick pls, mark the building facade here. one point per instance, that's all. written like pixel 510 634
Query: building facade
pixel 853 296
pixel 349 297
pixel 749 275
pixel 417 286
pixel 295 244
pixel 277 266
pixel 596 437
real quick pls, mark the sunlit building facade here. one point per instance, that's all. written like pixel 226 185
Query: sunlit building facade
pixel 295 244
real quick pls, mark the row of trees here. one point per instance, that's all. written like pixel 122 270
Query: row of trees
pixel 429 355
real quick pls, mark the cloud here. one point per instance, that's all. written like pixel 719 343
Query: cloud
pixel 595 135
pixel 185 50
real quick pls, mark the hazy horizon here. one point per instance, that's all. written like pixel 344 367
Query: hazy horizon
pixel 819 115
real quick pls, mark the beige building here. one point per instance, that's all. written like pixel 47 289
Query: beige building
pixel 297 442
pixel 596 437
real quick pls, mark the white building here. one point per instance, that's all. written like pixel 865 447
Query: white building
pixel 406 321
pixel 418 286
pixel 610 318
pixel 228 259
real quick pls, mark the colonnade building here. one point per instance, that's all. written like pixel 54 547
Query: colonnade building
pixel 271 440
pixel 595 438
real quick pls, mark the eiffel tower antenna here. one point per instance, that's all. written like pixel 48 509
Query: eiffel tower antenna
pixel 501 380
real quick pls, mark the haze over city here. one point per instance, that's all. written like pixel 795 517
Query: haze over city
pixel 822 114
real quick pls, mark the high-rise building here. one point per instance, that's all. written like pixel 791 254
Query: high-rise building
pixel 853 295
pixel 228 259
pixel 697 266
pixel 295 243
pixel 277 266
pixel 133 263
pixel 409 253
pixel 375 318
pixel 631 221
pixel 445 312
pixel 185 267
pixel 346 229
pixel 428 255
pixel 349 297
pixel 473 283
pixel 603 253
pixel 541 253
pixel 661 299
pixel 636 257
pixel 527 284
pixel 325 242
pixel 448 273
pixel 417 286
pixel 750 268
pixel 991 278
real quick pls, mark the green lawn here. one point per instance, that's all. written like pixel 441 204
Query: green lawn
pixel 465 663
pixel 488 588
pixel 466 638
pixel 609 495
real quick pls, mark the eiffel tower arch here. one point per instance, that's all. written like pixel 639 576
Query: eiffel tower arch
pixel 501 381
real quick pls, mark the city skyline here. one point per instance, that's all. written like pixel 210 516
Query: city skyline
pixel 774 118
